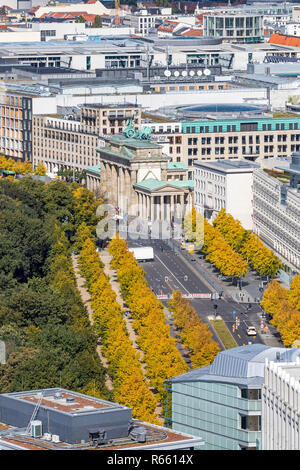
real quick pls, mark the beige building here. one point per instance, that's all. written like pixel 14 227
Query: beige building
pixel 256 140
pixel 104 120
pixel 71 144
pixel 61 144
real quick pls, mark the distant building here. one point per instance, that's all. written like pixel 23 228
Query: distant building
pixel 276 214
pixel 70 142
pixel 16 111
pixel 222 402
pixel 229 136
pixel 239 27
pixel 145 20
pixel 224 184
pixel 281 403
pixel 91 7
pixel 59 419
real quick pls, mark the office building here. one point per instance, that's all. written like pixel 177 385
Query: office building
pixel 129 52
pixel 276 214
pixel 17 110
pixel 238 28
pixel 281 403
pixel 222 402
pixel 257 139
pixel 224 184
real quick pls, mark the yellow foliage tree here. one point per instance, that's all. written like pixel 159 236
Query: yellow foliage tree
pixel 294 293
pixel 40 169
pixel 273 296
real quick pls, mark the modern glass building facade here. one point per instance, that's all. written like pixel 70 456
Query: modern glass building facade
pixel 222 402
pixel 237 28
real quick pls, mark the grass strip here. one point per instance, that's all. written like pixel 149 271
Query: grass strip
pixel 224 334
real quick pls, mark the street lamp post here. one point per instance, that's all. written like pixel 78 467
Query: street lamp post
pixel 215 309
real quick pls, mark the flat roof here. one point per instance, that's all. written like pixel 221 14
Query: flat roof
pixel 157 437
pixel 154 436
pixel 63 400
pixel 228 166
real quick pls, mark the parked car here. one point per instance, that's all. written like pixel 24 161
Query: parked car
pixel 251 331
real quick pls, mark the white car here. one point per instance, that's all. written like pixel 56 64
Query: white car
pixel 251 331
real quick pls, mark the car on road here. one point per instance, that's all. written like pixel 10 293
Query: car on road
pixel 251 331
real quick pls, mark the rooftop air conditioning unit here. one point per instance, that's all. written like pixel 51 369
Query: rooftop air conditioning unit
pixel 70 400
pixel 36 428
pixel 138 434
pixel 55 438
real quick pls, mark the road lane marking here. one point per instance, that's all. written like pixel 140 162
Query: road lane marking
pixel 172 274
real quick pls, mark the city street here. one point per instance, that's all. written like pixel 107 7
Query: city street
pixel 171 271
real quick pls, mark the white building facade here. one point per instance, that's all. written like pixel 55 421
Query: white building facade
pixel 276 217
pixel 224 184
pixel 281 406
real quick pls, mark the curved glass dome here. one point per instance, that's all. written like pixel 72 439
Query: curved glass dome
pixel 221 108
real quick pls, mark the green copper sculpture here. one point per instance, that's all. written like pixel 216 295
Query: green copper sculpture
pixel 143 134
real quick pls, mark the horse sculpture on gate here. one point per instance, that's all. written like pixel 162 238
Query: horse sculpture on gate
pixel 143 134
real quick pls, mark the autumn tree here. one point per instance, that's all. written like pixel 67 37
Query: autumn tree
pixel 294 293
pixel 194 334
pixel 40 169
pixel 273 296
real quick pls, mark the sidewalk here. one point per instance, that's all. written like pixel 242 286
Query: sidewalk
pixel 112 275
pixel 85 297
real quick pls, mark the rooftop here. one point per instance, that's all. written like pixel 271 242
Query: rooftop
pixel 229 166
pixel 67 402
pixel 241 365
pixel 87 423
pixel 94 169
pixel 152 184
pixel 177 166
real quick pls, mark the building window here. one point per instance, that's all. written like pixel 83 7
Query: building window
pixel 251 394
pixel 250 423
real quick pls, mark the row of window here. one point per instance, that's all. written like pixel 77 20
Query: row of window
pixel 244 127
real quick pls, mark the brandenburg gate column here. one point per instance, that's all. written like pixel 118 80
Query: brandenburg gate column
pixel 114 184
pixel 133 180
pixel 128 191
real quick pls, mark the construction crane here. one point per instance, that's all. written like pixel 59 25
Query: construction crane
pixel 117 13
